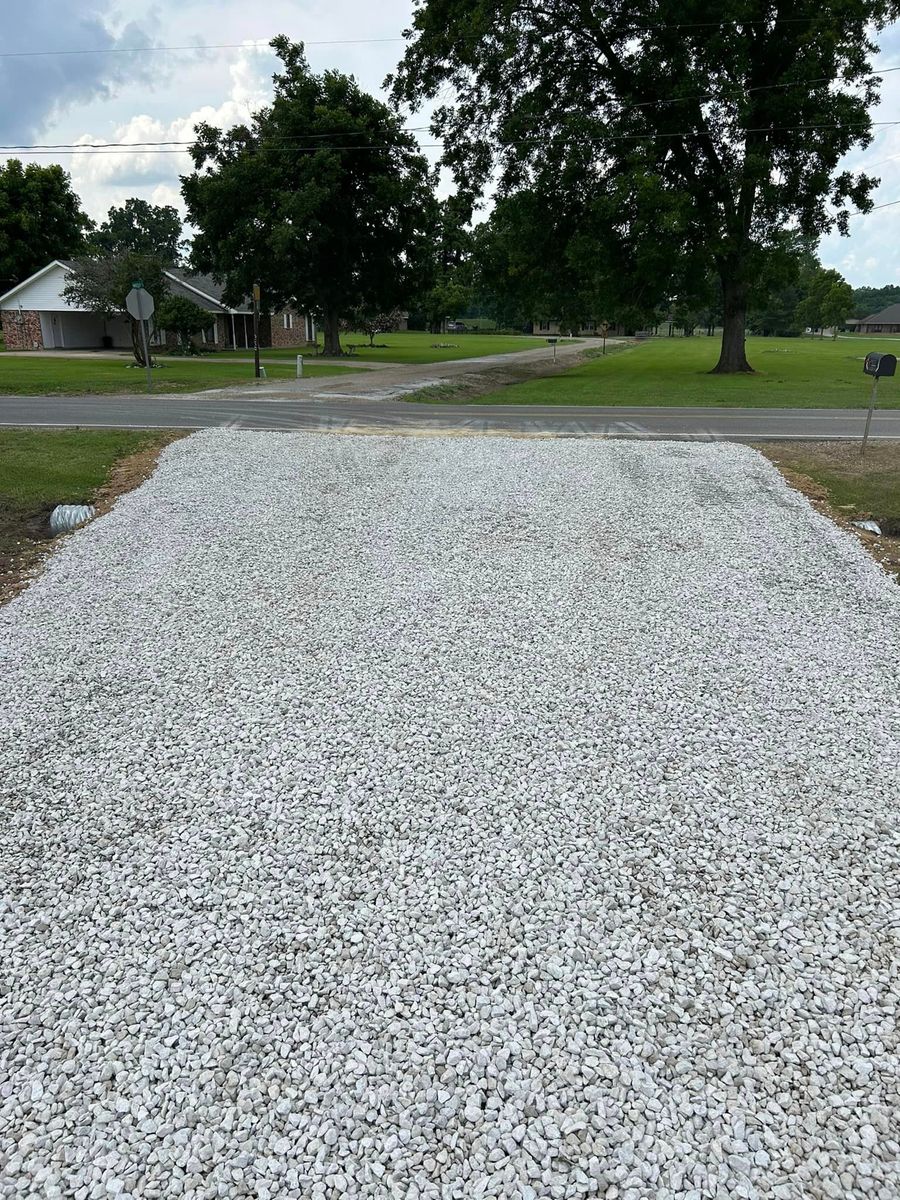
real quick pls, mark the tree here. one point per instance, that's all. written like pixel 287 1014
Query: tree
pixel 837 306
pixel 828 300
pixel 782 287
pixel 372 323
pixel 40 219
pixel 870 300
pixel 323 199
pixel 141 228
pixel 532 262
pixel 101 285
pixel 449 280
pixel 703 138
pixel 184 318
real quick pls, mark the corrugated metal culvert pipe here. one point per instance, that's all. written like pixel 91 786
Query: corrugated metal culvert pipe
pixel 69 516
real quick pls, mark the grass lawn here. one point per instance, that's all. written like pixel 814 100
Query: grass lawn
pixel 415 347
pixel 42 468
pixel 44 376
pixel 861 485
pixel 672 372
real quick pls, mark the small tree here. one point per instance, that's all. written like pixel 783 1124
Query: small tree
pixel 837 306
pixel 372 323
pixel 828 301
pixel 184 318
pixel 101 285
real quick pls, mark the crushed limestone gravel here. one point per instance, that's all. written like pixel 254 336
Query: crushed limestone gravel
pixel 394 817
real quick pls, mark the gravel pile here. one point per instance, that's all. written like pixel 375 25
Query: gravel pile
pixel 392 817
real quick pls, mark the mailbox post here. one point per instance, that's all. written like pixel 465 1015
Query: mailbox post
pixel 553 342
pixel 879 366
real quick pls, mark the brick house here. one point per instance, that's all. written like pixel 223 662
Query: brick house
pixel 886 321
pixel 36 316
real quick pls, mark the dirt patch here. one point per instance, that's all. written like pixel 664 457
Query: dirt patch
pixel 471 385
pixel 25 539
pixel 846 486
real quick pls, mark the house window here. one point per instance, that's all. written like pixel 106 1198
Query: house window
pixel 288 319
pixel 544 327
pixel 209 335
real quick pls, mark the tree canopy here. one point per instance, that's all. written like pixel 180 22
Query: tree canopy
pixel 684 139
pixel 869 300
pixel 141 228
pixel 449 278
pixel 323 199
pixel 41 218
pixel 828 301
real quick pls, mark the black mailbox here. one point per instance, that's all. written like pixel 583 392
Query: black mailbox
pixel 880 365
pixel 552 341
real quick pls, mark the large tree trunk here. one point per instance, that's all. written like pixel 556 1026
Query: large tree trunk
pixel 331 346
pixel 733 355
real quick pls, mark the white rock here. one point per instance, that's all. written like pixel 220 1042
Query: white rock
pixel 435 817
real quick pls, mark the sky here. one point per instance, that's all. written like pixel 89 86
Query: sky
pixel 118 96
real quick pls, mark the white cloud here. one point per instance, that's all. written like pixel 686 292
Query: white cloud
pixel 106 177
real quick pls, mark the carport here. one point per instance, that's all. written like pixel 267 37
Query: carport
pixel 83 331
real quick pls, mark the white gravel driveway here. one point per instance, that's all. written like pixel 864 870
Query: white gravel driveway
pixel 451 818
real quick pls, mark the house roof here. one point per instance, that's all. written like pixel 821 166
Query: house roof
pixel 202 289
pixel 887 316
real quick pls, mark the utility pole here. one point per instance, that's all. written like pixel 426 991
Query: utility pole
pixel 256 330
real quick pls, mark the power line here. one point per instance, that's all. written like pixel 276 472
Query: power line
pixel 179 147
pixel 369 41
pixel 874 208
pixel 204 46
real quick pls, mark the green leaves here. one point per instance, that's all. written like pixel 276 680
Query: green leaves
pixel 687 138
pixel 323 198
pixel 141 228
pixel 40 219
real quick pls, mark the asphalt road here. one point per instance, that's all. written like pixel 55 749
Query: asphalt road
pixel 327 413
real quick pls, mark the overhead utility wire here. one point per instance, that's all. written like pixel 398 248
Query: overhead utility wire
pixel 374 41
pixel 248 45
pixel 178 147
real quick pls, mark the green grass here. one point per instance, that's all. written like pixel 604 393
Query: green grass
pixel 62 466
pixel 45 376
pixel 42 468
pixel 863 485
pixel 415 347
pixel 673 372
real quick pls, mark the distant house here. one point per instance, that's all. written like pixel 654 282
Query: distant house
pixel 588 329
pixel 886 321
pixel 36 316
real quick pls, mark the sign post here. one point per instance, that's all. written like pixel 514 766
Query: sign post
pixel 256 295
pixel 604 329
pixel 141 307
